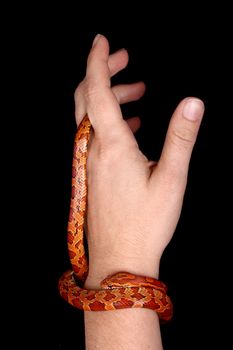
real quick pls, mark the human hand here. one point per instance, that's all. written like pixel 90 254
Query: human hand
pixel 133 204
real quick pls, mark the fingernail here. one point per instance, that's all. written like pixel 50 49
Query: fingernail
pixel 96 39
pixel 193 109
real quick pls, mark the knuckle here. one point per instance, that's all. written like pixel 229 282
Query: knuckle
pixel 90 91
pixel 183 137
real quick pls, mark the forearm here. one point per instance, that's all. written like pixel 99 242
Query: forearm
pixel 122 329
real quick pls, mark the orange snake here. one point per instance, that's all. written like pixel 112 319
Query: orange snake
pixel 119 291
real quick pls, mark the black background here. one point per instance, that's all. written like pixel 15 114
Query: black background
pixel 176 57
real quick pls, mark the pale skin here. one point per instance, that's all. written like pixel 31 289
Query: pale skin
pixel 133 204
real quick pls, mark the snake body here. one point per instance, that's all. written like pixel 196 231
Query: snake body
pixel 119 291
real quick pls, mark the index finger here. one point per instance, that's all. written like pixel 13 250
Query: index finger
pixel 97 62
pixel 102 106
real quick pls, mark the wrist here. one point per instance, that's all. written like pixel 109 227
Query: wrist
pixel 98 271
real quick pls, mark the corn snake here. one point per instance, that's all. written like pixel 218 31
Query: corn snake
pixel 119 291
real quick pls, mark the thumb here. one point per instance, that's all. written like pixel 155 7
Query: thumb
pixel 180 139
